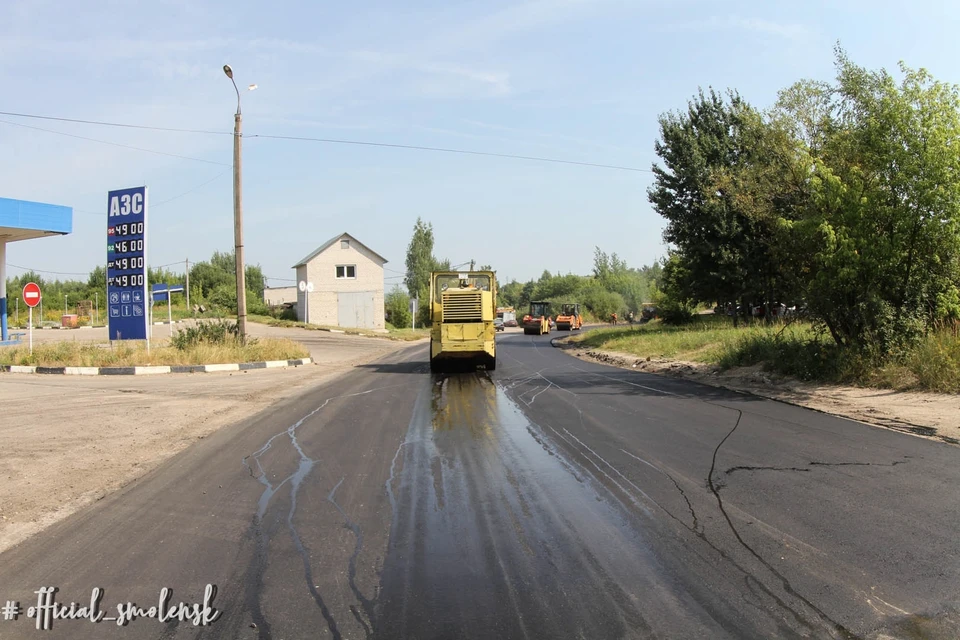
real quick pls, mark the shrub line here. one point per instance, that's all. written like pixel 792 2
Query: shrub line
pixel 153 370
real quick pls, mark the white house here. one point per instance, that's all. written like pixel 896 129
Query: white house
pixel 347 285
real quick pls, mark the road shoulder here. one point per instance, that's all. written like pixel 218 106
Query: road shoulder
pixel 71 440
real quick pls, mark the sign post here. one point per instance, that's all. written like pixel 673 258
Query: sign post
pixel 307 289
pixel 31 297
pixel 163 292
pixel 127 311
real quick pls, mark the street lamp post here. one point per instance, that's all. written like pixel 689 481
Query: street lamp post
pixel 238 216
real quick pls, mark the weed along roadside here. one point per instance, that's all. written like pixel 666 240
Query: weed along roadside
pixel 760 359
pixel 204 347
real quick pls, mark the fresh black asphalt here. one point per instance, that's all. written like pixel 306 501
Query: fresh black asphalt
pixel 552 498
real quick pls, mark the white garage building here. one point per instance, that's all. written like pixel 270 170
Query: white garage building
pixel 347 279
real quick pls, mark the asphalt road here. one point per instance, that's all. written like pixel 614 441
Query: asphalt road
pixel 552 498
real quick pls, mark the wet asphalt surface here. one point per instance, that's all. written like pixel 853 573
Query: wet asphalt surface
pixel 552 498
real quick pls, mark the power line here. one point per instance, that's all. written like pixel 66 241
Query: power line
pixel 73 273
pixel 199 186
pixel 169 264
pixel 302 139
pixel 160 204
pixel 447 150
pixel 115 124
pixel 56 273
pixel 115 144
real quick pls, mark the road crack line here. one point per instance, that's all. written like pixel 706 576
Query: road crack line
pixel 259 562
pixel 367 604
pixel 748 468
pixel 683 493
pixel 785 583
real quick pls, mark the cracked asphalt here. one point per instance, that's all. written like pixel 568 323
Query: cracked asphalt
pixel 553 498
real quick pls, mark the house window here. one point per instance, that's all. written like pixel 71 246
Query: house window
pixel 344 244
pixel 346 271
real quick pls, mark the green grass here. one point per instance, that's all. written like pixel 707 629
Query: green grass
pixel 128 354
pixel 697 341
pixel 392 332
pixel 793 350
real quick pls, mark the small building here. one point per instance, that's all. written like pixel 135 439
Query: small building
pixel 280 296
pixel 347 285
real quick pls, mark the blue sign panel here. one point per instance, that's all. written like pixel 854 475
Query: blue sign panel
pixel 127 263
pixel 162 291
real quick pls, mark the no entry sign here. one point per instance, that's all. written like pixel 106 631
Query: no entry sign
pixel 31 294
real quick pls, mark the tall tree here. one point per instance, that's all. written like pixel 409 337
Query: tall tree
pixel 420 261
pixel 883 238
pixel 769 187
pixel 711 237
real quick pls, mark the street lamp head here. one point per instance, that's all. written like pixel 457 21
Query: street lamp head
pixel 227 70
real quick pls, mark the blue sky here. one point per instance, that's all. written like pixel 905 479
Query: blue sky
pixel 581 80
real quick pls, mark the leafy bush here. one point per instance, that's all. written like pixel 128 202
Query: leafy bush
pixel 282 313
pixel 256 305
pixel 218 331
pixel 224 296
pixel 672 308
pixel 603 303
pixel 397 305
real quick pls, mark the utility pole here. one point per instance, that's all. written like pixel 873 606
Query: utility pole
pixel 187 286
pixel 238 215
pixel 471 265
pixel 238 227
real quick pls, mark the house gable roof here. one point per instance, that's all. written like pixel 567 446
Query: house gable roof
pixel 329 243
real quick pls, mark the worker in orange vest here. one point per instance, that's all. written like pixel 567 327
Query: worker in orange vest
pixel 614 318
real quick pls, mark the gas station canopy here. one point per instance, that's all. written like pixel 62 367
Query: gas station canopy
pixel 25 220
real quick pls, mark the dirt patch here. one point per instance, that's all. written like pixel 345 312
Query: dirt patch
pixel 70 440
pixel 929 415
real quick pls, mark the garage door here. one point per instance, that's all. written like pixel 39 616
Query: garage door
pixel 355 309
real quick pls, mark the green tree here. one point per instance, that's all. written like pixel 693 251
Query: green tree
pixel 397 305
pixel 769 188
pixel 882 239
pixel 554 287
pixel 420 261
pixel 715 241
pixel 601 302
pixel 220 272
pixel 98 278
pixel 508 294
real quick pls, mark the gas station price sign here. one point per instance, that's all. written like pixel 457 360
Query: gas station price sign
pixel 127 264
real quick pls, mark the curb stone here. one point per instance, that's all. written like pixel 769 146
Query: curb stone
pixel 154 370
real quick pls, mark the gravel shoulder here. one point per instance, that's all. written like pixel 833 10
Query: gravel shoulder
pixel 929 415
pixel 70 440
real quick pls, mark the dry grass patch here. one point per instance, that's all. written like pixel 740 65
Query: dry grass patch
pixel 129 354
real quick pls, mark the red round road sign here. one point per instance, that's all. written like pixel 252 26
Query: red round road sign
pixel 31 294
